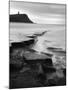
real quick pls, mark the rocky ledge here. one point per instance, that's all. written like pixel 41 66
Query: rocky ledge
pixel 29 68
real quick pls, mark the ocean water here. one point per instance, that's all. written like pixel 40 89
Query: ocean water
pixel 55 36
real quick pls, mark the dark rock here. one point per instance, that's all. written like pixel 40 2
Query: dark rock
pixel 47 66
pixel 15 67
pixel 57 50
pixel 48 62
pixel 16 64
pixel 51 82
pixel 48 69
pixel 17 59
pixel 48 54
pixel 22 44
pixel 23 18
pixel 41 78
pixel 64 71
pixel 54 48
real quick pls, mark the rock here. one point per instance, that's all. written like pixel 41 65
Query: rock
pixel 51 82
pixel 20 54
pixel 20 18
pixel 64 71
pixel 16 59
pixel 48 69
pixel 35 56
pixel 16 63
pixel 23 44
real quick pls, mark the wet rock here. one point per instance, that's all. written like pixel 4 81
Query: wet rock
pixel 16 63
pixel 16 60
pixel 48 69
pixel 22 44
pixel 64 71
pixel 51 82
pixel 39 60
pixel 34 56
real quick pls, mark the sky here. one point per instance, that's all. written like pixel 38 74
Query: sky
pixel 40 13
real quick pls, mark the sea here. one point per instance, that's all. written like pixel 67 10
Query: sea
pixel 52 42
pixel 55 36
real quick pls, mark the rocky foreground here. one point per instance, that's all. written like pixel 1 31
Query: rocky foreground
pixel 29 68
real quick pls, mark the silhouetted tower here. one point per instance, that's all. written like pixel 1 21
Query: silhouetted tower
pixel 18 12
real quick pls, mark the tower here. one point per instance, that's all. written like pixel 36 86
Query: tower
pixel 18 13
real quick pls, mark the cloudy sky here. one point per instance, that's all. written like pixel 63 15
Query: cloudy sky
pixel 41 13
